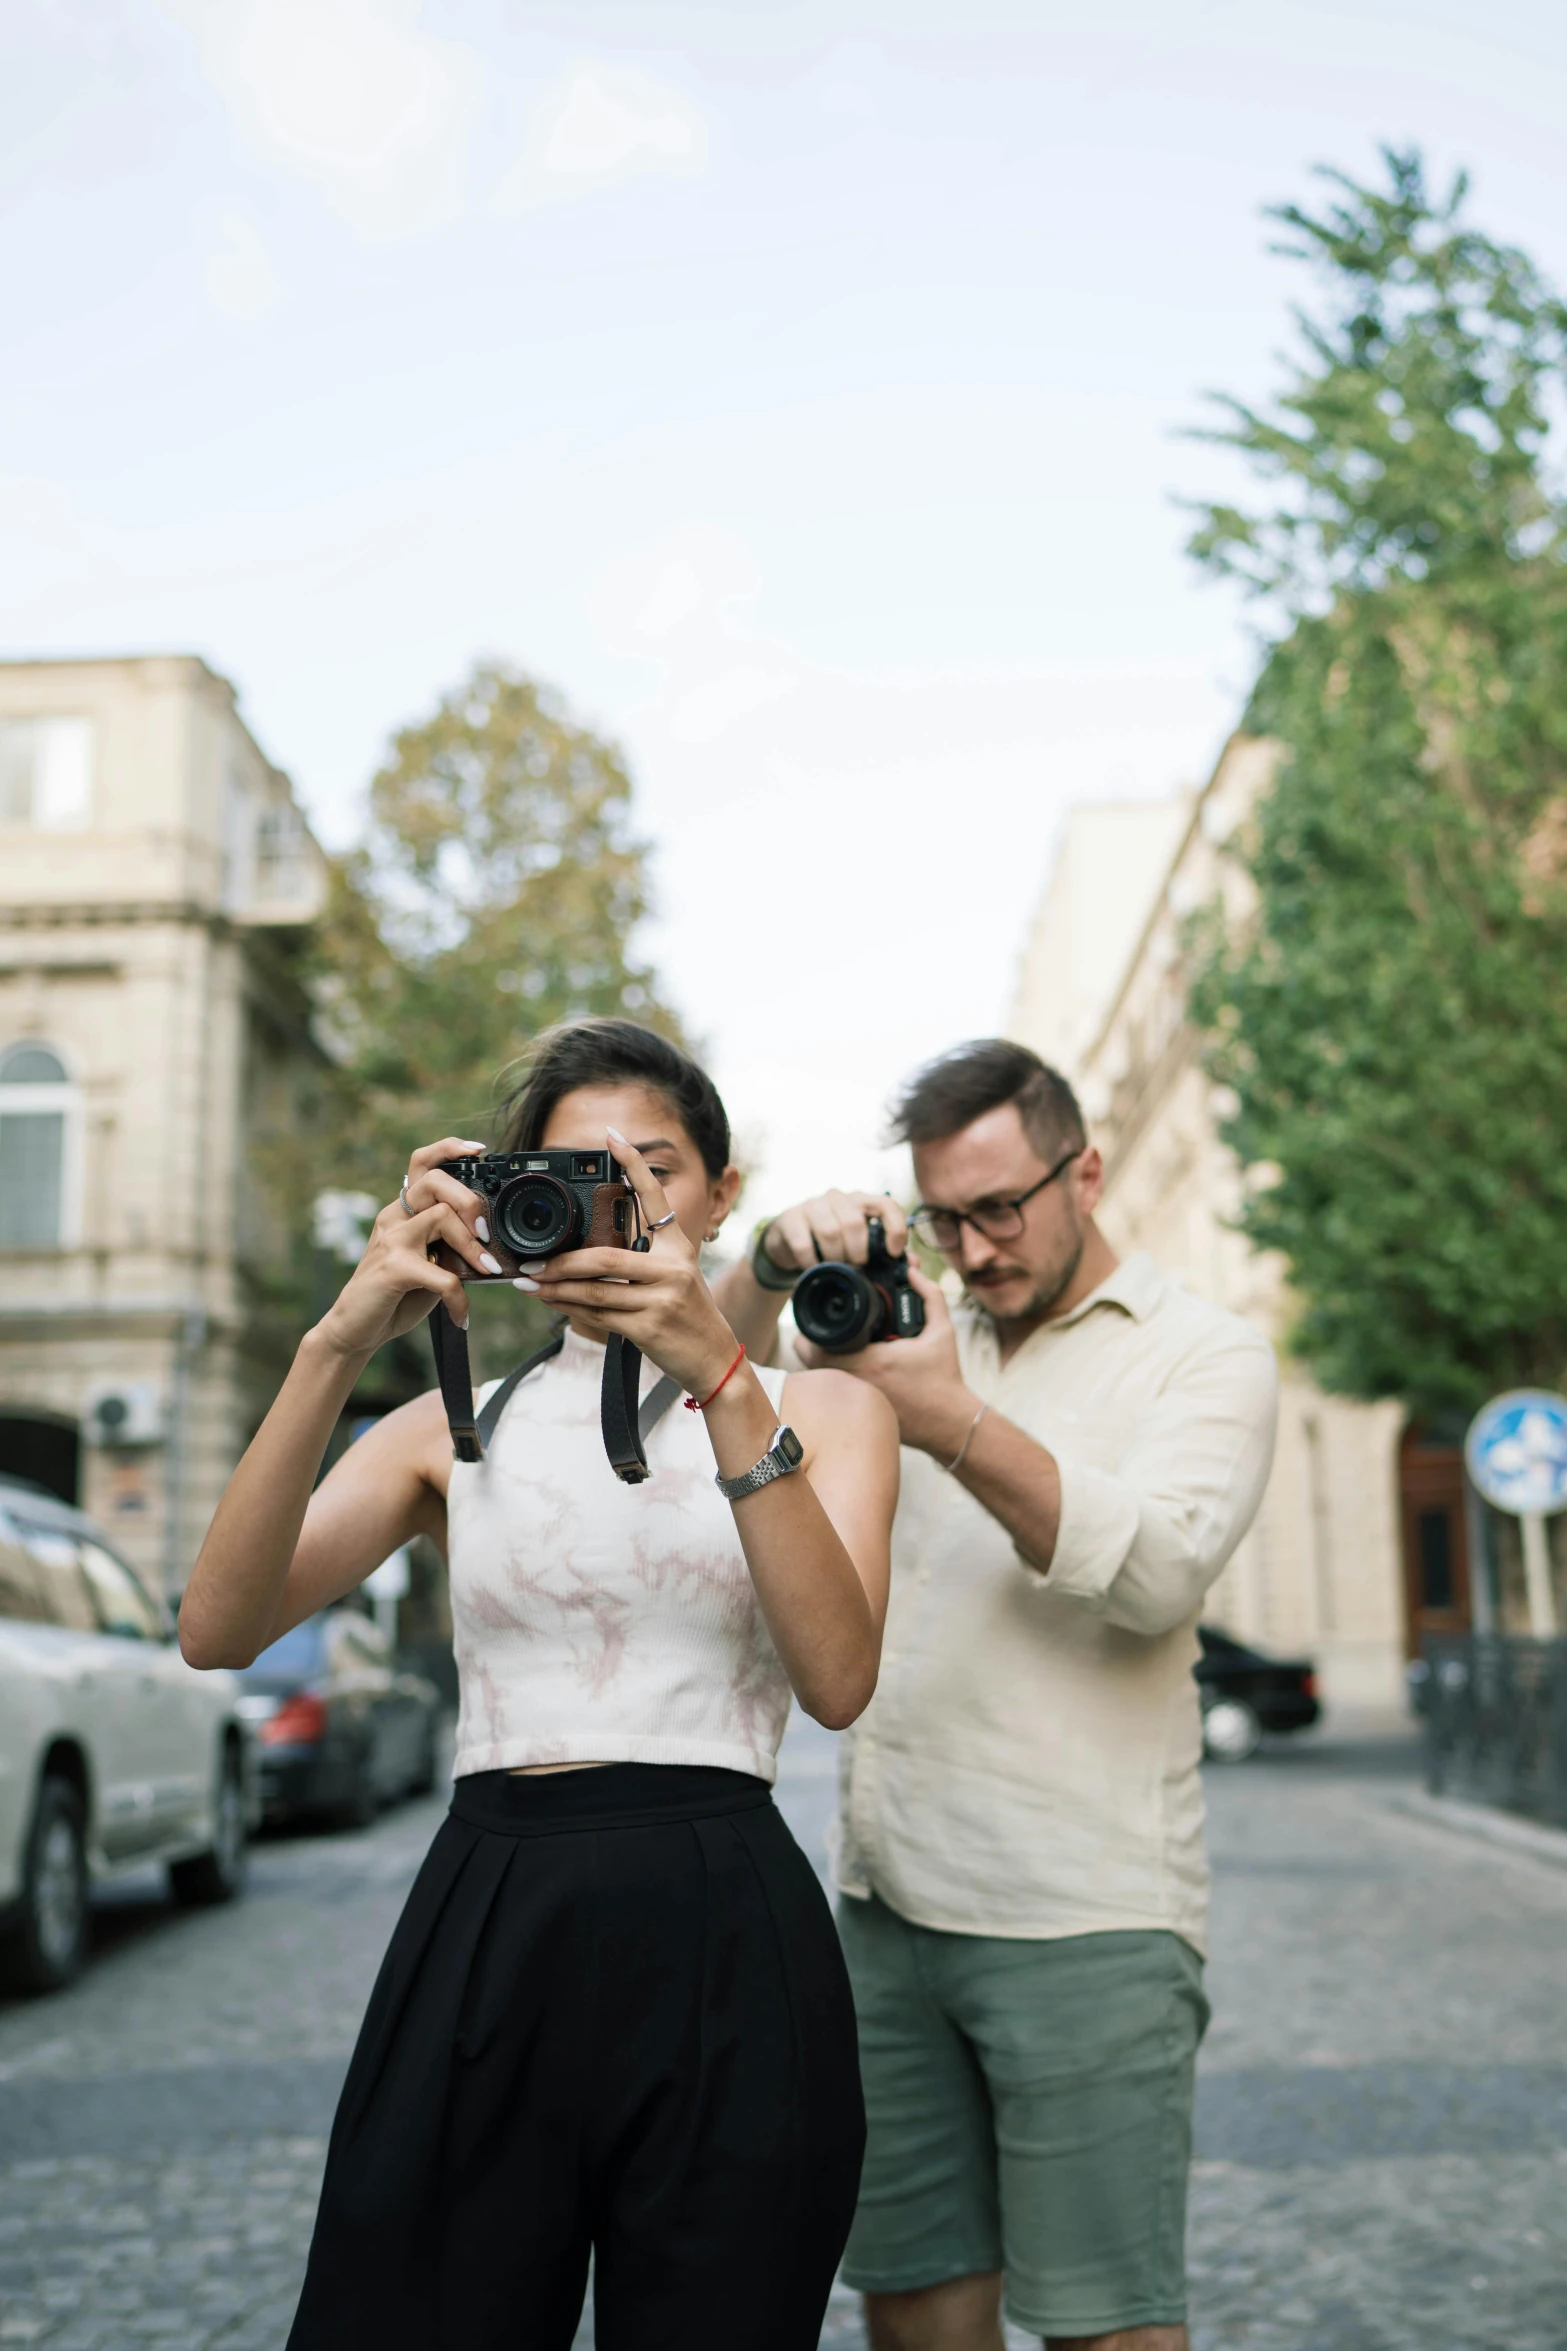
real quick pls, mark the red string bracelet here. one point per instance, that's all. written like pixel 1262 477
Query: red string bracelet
pixel 701 1403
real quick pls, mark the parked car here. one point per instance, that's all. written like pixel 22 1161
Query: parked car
pixel 339 1729
pixel 113 1751
pixel 1245 1693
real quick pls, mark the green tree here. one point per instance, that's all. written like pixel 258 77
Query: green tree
pixel 496 892
pixel 1392 1022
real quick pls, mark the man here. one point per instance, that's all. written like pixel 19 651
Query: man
pixel 1020 1855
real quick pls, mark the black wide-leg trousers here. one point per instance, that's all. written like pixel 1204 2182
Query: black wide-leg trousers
pixel 613 2018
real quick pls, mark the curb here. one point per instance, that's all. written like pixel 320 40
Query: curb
pixel 1485 1825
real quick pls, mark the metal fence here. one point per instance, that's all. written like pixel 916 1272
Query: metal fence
pixel 1496 1722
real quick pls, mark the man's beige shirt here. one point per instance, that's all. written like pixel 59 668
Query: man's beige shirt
pixel 1028 1766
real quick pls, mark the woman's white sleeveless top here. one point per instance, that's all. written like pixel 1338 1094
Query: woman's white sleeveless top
pixel 596 1622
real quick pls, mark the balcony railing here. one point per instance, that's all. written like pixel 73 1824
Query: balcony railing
pixel 1496 1722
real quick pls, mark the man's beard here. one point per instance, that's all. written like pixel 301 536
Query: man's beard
pixel 1044 1295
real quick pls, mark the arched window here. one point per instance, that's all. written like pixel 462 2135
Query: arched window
pixel 37 1147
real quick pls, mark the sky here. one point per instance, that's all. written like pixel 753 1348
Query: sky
pixel 800 389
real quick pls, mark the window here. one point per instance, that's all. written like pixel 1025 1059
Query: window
pixel 21 1598
pixel 123 1607
pixel 239 844
pixel 46 769
pixel 55 1555
pixel 281 870
pixel 1434 1536
pixel 37 1105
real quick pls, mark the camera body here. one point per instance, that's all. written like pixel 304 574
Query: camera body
pixel 541 1203
pixel 841 1308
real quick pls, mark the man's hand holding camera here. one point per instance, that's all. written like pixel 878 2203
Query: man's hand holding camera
pixel 920 1377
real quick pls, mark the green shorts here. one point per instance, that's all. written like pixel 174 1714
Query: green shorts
pixel 1030 2110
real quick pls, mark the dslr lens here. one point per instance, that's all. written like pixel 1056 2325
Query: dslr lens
pixel 838 1308
pixel 536 1216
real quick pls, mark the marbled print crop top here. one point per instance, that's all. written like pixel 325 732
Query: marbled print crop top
pixel 601 1623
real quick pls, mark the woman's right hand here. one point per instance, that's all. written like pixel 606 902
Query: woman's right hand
pixel 396 1284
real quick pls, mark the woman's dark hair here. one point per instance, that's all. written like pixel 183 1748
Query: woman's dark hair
pixel 611 1053
pixel 950 1092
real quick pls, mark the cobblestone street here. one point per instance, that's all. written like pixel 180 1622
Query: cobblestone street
pixel 1382 2124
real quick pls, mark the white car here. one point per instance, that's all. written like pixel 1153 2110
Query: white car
pixel 113 1751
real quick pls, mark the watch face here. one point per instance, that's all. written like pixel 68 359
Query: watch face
pixel 790 1447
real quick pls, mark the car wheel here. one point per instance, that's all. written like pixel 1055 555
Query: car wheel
pixel 218 1874
pixel 1230 1731
pixel 49 1942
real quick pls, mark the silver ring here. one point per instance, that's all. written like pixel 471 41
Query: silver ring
pixel 402 1194
pixel 663 1220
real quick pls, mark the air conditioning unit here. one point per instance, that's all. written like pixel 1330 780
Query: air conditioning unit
pixel 123 1412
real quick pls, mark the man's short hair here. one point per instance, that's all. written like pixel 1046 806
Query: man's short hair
pixel 949 1093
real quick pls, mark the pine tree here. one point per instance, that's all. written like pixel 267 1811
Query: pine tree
pixel 1393 1023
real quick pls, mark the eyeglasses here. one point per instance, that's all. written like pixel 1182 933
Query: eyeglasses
pixel 998 1220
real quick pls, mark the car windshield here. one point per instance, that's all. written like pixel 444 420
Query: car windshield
pixel 293 1659
pixel 64 1595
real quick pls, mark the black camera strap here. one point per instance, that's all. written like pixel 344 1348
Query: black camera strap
pixel 449 1346
pixel 626 1428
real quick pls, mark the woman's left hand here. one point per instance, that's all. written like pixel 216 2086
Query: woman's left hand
pixel 655 1297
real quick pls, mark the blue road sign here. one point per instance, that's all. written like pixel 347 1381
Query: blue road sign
pixel 1516 1450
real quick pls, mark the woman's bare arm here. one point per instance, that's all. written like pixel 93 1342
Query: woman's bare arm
pixel 274 1551
pixel 820 1556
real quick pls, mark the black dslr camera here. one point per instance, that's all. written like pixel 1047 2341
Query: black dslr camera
pixel 841 1308
pixel 539 1203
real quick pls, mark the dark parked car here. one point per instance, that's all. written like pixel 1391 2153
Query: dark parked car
pixel 1244 1694
pixel 339 1730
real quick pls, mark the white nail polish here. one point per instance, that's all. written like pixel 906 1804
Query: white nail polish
pixel 489 1263
pixel 521 1282
pixel 481 1228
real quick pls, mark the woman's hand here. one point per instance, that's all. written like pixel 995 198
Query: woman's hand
pixel 396 1284
pixel 656 1297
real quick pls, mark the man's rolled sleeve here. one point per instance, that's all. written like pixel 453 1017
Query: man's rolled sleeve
pixel 1099 1523
pixel 1141 1544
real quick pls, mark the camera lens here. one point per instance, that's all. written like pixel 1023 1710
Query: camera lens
pixel 838 1308
pixel 536 1216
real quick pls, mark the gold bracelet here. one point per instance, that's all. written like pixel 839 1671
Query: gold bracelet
pixel 956 1463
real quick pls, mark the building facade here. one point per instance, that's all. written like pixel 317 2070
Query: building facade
pixel 1324 1570
pixel 157 1071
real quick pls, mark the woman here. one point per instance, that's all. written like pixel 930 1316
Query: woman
pixel 613 2016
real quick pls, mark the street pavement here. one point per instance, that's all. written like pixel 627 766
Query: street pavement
pixel 1382 2128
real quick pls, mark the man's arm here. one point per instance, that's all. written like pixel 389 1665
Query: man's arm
pixel 1140 1544
pixel 834 1225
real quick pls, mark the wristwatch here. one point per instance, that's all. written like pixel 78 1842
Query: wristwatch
pixel 782 1458
pixel 768 1274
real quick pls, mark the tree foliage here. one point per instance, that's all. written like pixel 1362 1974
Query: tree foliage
pixel 496 892
pixel 1393 1022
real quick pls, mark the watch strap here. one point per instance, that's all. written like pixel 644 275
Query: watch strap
pixel 766 1274
pixel 775 1463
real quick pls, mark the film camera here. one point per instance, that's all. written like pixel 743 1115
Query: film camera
pixel 539 1203
pixel 841 1308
